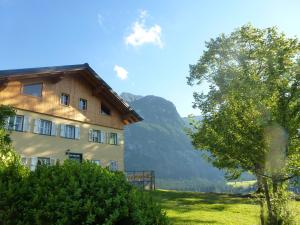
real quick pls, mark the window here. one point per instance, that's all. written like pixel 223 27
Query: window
pixel 113 138
pixel 113 165
pixel 32 89
pixel 45 127
pixel 65 99
pixel 43 161
pixel 82 104
pixel 25 160
pixel 15 123
pixel 105 110
pixel 69 131
pixel 97 136
pixel 97 162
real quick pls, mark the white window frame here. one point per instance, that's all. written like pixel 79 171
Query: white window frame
pixel 43 161
pixel 63 98
pixel 82 104
pixel 32 84
pixel 43 129
pixel 65 131
pixel 96 161
pixel 14 126
pixel 113 138
pixel 113 165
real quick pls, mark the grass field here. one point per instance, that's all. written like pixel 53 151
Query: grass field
pixel 210 208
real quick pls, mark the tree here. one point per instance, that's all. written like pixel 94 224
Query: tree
pixel 7 153
pixel 251 112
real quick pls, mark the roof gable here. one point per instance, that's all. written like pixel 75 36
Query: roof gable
pixel 59 71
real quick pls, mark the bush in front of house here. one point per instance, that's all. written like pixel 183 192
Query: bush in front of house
pixel 71 194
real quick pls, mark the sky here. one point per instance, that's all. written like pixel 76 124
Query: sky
pixel 136 46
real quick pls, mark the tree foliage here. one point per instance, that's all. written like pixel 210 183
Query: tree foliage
pixel 251 112
pixel 7 154
pixel 74 193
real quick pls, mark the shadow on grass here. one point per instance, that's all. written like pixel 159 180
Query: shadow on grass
pixel 184 202
pixel 196 198
pixel 193 221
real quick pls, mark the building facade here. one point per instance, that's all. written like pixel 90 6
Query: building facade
pixel 65 112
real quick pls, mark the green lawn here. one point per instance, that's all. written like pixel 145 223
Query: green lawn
pixel 210 208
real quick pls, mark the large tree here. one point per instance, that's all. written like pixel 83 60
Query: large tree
pixel 251 111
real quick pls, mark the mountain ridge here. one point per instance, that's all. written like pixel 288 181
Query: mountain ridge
pixel 160 143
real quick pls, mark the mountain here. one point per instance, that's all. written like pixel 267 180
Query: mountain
pixel 159 142
pixel 130 97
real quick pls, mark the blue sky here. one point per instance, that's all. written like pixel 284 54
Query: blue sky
pixel 141 47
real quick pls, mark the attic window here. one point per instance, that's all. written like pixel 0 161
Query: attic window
pixel 82 104
pixel 105 110
pixel 64 99
pixel 32 89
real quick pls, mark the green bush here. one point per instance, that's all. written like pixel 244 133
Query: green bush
pixel 73 194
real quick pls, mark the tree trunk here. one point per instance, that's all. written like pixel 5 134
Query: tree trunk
pixel 268 200
pixel 262 211
pixel 259 192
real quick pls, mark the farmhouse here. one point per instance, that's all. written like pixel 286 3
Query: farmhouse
pixel 65 112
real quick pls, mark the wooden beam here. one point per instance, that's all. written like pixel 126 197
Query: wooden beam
pixel 96 91
pixel 57 78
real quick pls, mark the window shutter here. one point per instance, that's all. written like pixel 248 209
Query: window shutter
pixel 33 163
pixel 108 137
pixel 63 130
pixel 15 123
pixel 26 127
pixel 53 129
pixel 52 161
pixel 119 139
pixel 103 137
pixel 7 123
pixel 77 132
pixel 90 134
pixel 24 160
pixel 36 128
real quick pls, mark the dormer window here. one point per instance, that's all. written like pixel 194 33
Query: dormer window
pixel 32 89
pixel 105 110
pixel 83 104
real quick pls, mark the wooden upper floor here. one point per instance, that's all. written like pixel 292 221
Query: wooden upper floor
pixel 73 92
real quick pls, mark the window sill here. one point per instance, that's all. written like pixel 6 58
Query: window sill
pixel 45 134
pixel 69 138
pixel 15 130
pixel 33 96
pixel 64 105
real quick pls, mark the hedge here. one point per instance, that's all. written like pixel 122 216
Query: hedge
pixel 73 194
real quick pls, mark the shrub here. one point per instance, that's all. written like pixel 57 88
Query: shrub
pixel 73 194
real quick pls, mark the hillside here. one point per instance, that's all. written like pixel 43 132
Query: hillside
pixel 159 142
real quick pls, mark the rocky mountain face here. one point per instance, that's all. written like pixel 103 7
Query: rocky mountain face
pixel 160 143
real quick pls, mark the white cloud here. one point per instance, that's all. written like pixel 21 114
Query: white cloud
pixel 121 72
pixel 141 34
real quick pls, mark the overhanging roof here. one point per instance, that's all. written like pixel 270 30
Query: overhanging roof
pixel 54 70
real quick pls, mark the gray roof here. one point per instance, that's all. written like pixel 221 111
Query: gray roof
pixel 51 69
